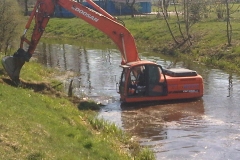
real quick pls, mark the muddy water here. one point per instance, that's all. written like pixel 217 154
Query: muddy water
pixel 208 128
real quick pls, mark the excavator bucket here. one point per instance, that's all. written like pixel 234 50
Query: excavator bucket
pixel 12 66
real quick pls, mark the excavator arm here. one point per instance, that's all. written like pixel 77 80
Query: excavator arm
pixel 100 19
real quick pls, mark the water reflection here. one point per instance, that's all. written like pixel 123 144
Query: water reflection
pixel 96 71
pixel 151 122
pixel 230 85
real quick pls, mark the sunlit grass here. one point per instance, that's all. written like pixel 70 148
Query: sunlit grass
pixel 35 125
pixel 36 72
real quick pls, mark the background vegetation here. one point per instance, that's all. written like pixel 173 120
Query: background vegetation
pixel 208 43
pixel 11 21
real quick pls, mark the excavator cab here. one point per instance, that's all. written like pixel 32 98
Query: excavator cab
pixel 139 80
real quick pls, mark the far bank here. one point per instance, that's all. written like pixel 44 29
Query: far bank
pixel 209 43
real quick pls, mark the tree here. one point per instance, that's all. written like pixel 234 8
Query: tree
pixel 26 7
pixel 25 4
pixel 9 21
pixel 79 1
pixel 164 5
pixel 131 6
pixel 229 26
pixel 192 10
pixel 219 7
pixel 165 15
pixel 104 4
pixel 224 9
pixel 229 11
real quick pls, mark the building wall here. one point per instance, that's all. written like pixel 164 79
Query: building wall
pixel 136 1
pixel 110 7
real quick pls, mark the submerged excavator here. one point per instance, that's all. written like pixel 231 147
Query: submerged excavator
pixel 141 80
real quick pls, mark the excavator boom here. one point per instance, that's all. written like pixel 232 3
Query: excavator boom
pixel 100 19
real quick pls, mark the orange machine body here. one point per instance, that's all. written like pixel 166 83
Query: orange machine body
pixel 158 84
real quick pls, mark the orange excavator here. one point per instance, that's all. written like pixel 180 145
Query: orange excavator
pixel 141 80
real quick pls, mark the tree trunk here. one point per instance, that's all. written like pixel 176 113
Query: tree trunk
pixel 169 28
pixel 229 26
pixel 26 7
pixel 131 6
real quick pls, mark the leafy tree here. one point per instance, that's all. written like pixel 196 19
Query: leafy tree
pixel 9 21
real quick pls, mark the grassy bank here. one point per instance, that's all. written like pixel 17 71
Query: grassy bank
pixel 209 41
pixel 39 122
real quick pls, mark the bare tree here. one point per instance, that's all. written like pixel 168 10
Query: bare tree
pixel 104 4
pixel 229 11
pixel 26 7
pixel 79 1
pixel 178 21
pixel 131 6
pixel 229 26
pixel 25 4
pixel 164 5
pixel 192 11
pixel 224 9
pixel 166 20
pixel 219 7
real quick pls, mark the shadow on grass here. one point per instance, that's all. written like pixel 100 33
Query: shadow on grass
pixel 37 87
pixel 41 87
pixel 46 89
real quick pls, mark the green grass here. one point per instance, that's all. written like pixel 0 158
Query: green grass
pixel 49 126
pixel 35 125
pixel 29 70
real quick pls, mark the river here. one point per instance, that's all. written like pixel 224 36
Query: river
pixel 208 128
